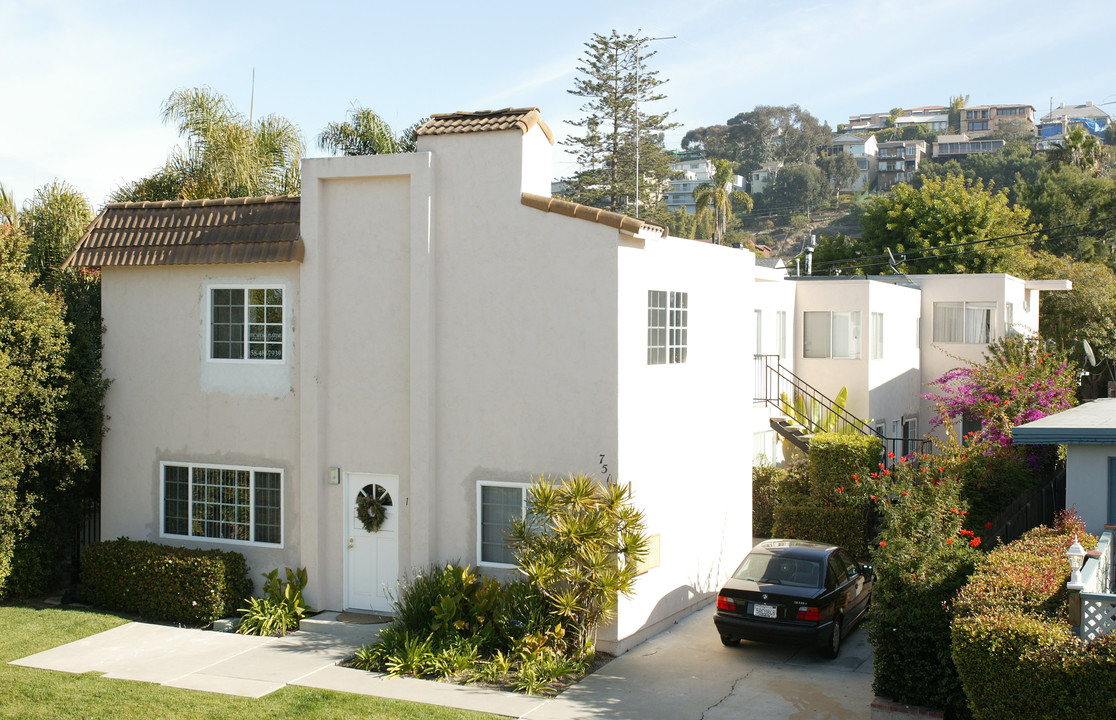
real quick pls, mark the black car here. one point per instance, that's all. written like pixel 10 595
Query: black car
pixel 794 591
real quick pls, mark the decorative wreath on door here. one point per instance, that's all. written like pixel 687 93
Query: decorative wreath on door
pixel 371 507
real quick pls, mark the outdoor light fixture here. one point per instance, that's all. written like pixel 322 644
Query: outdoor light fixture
pixel 1076 555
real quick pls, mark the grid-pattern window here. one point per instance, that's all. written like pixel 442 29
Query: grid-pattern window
pixel 499 507
pixel 781 332
pixel 679 322
pixel 223 503
pixel 656 327
pixel 963 322
pixel 877 339
pixel 246 323
pixel 831 334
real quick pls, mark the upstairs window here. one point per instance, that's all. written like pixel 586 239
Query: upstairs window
pixel 667 327
pixel 246 323
pixel 963 322
pixel 877 338
pixel 831 335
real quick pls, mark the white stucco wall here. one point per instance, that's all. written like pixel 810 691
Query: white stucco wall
pixel 1087 483
pixel 772 294
pixel 829 375
pixel 685 441
pixel 169 403
pixel 894 380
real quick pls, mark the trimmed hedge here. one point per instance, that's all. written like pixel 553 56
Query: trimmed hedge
pixel 162 582
pixel 835 457
pixel 1012 643
pixel 909 625
pixel 765 494
pixel 844 525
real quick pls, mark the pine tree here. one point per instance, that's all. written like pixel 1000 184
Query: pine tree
pixel 615 80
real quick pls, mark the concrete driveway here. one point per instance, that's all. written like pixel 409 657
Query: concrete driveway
pixel 686 674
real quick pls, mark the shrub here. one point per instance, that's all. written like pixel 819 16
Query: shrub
pixel 161 582
pixel 1011 641
pixel 279 610
pixel 839 525
pixel 580 544
pixel 835 457
pixel 765 492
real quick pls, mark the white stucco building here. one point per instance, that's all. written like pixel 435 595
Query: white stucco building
pixel 435 330
pixel 886 338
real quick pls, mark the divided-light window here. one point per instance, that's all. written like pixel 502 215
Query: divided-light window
pixel 498 506
pixel 246 323
pixel 667 327
pixel 221 502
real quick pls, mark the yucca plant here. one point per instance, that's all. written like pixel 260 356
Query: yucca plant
pixel 580 544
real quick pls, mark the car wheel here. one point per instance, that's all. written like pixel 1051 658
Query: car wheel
pixel 833 647
pixel 729 641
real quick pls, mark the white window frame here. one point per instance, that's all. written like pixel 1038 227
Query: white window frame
pixel 523 487
pixel 667 327
pixel 759 332
pixel 781 333
pixel 876 339
pixel 247 288
pixel 831 329
pixel 190 466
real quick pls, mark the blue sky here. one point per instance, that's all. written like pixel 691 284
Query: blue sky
pixel 82 82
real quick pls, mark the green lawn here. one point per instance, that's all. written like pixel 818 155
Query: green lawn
pixel 29 693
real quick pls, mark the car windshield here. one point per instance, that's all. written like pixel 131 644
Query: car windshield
pixel 776 570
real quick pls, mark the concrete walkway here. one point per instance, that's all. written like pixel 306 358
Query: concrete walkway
pixel 683 673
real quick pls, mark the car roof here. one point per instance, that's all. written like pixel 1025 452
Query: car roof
pixel 801 548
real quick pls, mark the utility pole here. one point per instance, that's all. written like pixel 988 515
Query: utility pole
pixel 638 60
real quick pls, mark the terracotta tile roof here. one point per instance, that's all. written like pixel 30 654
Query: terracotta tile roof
pixel 193 232
pixel 585 212
pixel 522 119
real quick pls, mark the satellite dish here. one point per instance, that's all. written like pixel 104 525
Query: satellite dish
pixel 1089 353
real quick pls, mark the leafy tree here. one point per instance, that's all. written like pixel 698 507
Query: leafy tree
pixel 1081 150
pixel 580 544
pixel 55 220
pixel 1074 207
pixel 33 379
pixel 224 153
pixel 717 195
pixel 366 133
pixel 798 187
pixel 1085 313
pixel 841 170
pixel 1005 169
pixel 956 104
pixel 618 85
pixel 788 134
pixel 936 229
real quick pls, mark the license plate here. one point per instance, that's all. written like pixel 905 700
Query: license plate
pixel 763 611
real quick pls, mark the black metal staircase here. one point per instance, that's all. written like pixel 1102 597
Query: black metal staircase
pixel 805 411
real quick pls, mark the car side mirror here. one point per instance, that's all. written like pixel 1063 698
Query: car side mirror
pixel 867 570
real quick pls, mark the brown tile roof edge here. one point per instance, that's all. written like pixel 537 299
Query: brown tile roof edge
pixel 522 119
pixel 584 212
pixel 208 202
pixel 261 229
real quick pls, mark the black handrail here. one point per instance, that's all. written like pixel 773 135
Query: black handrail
pixel 779 387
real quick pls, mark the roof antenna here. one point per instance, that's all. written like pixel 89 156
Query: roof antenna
pixel 252 101
pixel 894 265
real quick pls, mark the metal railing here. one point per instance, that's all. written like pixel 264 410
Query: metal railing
pixel 1038 507
pixel 792 396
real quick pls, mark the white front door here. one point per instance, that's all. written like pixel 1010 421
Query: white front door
pixel 371 554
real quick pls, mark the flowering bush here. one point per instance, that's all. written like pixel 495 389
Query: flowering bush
pixel 1021 380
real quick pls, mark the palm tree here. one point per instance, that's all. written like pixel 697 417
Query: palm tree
pixel 1080 150
pixel 718 195
pixel 223 153
pixel 366 133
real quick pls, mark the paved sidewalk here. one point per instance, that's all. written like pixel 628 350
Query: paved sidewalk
pixel 683 673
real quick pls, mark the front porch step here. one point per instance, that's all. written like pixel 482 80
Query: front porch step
pixel 795 434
